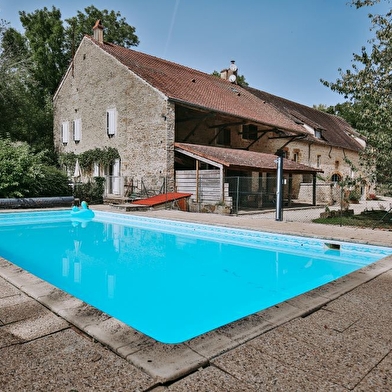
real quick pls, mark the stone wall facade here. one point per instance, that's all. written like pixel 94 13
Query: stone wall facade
pixel 144 119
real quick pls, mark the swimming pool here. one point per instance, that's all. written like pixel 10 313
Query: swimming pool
pixel 172 280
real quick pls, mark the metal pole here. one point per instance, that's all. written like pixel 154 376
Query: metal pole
pixel 279 186
pixel 238 194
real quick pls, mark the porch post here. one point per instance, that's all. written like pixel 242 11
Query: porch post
pixel 222 184
pixel 197 181
pixel 314 189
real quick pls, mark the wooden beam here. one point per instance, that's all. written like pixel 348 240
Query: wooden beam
pixel 258 138
pixel 217 134
pixel 192 132
pixel 226 125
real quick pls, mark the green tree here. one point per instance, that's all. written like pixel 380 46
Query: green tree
pixel 347 110
pixel 32 65
pixel 26 115
pixel 44 33
pixel 117 30
pixel 367 87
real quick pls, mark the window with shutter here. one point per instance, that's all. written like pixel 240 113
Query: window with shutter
pixel 65 132
pixel 249 132
pixel 77 135
pixel 111 122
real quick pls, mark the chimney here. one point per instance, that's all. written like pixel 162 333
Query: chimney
pixel 230 73
pixel 98 31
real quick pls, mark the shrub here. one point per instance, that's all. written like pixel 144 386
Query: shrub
pixel 25 174
pixel 54 182
pixel 91 191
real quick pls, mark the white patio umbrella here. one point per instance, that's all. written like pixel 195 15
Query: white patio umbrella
pixel 77 171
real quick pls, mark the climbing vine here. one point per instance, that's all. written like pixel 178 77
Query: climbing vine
pixel 102 156
pixel 67 159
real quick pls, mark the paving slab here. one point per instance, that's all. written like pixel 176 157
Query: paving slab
pixel 167 362
pixel 379 379
pixel 211 379
pixel 119 336
pixel 24 308
pixel 211 344
pixel 67 361
pixel 6 288
pixel 41 324
pixel 267 373
pixel 342 358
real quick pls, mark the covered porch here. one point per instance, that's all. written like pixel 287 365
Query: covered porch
pixel 238 178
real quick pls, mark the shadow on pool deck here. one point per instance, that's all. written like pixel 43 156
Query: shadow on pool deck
pixel 337 337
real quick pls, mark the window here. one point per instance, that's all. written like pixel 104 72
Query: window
pixel 317 133
pixel 97 170
pixel 224 137
pixel 65 132
pixel 318 162
pixel 336 177
pixel 249 132
pixel 76 130
pixel 111 123
pixel 296 157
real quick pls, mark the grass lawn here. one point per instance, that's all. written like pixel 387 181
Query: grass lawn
pixel 373 219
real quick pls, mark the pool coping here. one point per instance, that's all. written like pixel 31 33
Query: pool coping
pixel 168 362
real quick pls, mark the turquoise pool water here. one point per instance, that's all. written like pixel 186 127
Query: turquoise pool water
pixel 172 280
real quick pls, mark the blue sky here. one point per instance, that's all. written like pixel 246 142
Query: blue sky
pixel 283 47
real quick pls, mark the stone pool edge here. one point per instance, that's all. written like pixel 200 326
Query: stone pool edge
pixel 168 362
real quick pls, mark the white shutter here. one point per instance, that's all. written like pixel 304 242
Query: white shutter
pixel 77 135
pixel 111 122
pixel 116 177
pixel 96 169
pixel 65 132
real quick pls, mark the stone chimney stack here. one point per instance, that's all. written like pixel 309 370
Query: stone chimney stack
pixel 98 31
pixel 230 73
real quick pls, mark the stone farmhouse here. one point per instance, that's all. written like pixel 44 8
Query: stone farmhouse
pixel 177 129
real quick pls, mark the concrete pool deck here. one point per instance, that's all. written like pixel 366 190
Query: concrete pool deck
pixel 337 337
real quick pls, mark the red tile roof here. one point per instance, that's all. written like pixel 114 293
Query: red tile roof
pixel 189 86
pixel 335 130
pixel 235 159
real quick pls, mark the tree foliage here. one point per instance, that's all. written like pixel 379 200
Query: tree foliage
pixel 44 32
pixel 367 88
pixel 117 30
pixel 24 117
pixel 32 64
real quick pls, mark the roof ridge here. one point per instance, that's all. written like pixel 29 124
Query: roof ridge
pixel 148 55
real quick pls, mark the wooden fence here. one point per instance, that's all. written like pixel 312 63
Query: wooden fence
pixel 204 186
